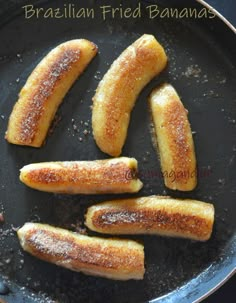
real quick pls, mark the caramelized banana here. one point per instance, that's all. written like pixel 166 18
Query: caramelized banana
pixel 44 91
pixel 156 215
pixel 118 175
pixel 174 139
pixel 110 258
pixel 117 92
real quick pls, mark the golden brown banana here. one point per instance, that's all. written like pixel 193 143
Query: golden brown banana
pixel 174 139
pixel 156 215
pixel 110 258
pixel 118 175
pixel 45 89
pixel 118 90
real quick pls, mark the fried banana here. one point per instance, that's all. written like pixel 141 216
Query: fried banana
pixel 44 91
pixel 118 175
pixel 174 139
pixel 155 215
pixel 118 90
pixel 110 258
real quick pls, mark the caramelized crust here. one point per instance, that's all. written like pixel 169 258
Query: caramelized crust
pixel 153 215
pixel 83 177
pixel 117 92
pixel 174 139
pixel 45 89
pixel 110 258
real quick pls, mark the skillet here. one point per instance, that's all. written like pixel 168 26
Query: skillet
pixel 201 66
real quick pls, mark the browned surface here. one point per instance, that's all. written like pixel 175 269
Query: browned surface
pixel 116 258
pixel 132 69
pixel 47 82
pixel 153 215
pixel 45 89
pixel 177 129
pixel 147 219
pixel 118 91
pixel 174 139
pixel 51 246
pixel 80 173
pixel 102 176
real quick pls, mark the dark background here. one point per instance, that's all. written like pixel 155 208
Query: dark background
pixel 227 292
pixel 226 7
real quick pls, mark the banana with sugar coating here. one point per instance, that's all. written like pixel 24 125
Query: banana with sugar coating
pixel 118 90
pixel 174 139
pixel 155 215
pixel 45 89
pixel 116 259
pixel 118 175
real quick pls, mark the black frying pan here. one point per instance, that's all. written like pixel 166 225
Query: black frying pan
pixel 202 68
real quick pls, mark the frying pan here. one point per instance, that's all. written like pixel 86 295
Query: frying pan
pixel 201 67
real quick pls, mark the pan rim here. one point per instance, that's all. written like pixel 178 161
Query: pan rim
pixel 233 272
pixel 216 287
pixel 218 14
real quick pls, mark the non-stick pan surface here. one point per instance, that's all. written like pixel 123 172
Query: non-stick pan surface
pixel 201 66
